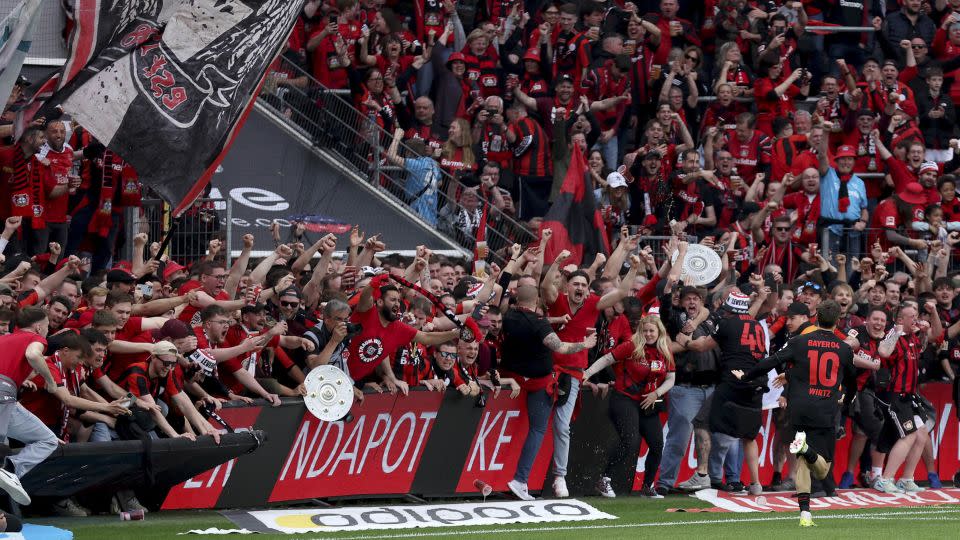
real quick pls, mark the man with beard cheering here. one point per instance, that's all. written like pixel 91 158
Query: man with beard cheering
pixel 383 333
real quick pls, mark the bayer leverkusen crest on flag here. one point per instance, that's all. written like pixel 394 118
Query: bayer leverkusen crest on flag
pixel 167 83
pixel 574 218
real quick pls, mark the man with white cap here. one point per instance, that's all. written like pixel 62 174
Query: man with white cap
pixel 159 378
pixel 735 410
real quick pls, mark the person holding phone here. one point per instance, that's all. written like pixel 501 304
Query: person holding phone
pixel 644 372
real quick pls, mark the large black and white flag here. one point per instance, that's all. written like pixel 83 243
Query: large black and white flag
pixel 167 83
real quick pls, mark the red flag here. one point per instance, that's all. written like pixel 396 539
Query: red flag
pixel 575 218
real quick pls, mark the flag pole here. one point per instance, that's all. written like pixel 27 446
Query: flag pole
pixel 166 240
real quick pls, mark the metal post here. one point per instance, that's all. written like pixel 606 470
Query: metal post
pixel 229 239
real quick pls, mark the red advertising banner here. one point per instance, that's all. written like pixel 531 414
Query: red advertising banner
pixel 203 490
pixel 377 453
pixel 496 447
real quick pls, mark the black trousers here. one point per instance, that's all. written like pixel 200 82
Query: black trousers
pixel 633 423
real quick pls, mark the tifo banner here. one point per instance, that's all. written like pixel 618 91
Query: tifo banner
pixel 436 444
pixel 178 73
pixel 326 520
pixel 846 499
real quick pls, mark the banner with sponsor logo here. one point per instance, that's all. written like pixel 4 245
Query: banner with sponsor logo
pixel 438 445
pixel 365 518
pixel 377 453
pixel 846 499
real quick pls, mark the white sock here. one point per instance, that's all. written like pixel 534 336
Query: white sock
pixel 876 471
pixel 805 514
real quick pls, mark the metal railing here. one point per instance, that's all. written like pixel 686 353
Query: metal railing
pixel 205 220
pixel 334 124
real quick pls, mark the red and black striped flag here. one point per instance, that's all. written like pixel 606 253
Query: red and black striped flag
pixel 166 84
pixel 575 218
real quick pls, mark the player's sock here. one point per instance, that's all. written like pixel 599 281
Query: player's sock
pixel 877 472
pixel 777 478
pixel 804 500
pixel 810 455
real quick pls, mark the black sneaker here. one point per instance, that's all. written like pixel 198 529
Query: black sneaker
pixel 737 488
pixel 662 491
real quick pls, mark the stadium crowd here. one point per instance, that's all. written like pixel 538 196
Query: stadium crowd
pixel 821 171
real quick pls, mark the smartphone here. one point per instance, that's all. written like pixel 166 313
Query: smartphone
pixel 146 289
pixel 333 18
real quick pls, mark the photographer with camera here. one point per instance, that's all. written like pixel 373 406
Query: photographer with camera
pixel 331 339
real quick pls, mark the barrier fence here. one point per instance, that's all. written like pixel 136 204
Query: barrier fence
pixel 205 220
pixel 440 445
pixel 334 124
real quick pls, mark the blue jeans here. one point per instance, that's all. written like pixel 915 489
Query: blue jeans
pixel 684 404
pixel 561 430
pixel 610 151
pixel 16 422
pixel 539 405
pixel 849 242
pixel 726 457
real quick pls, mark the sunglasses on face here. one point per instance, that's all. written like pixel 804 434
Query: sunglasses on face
pixel 289 304
pixel 449 355
pixel 168 364
pixel 782 228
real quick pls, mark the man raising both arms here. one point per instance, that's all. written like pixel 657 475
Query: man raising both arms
pixel 378 312
pixel 821 370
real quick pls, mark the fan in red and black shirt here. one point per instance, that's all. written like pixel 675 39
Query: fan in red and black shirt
pixel 240 373
pixel 643 373
pixel 155 380
pixel 750 148
pixel 900 353
pixel 774 94
pixel 68 368
pixel 28 186
pixel 532 161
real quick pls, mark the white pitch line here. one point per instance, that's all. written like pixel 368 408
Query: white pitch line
pixel 695 522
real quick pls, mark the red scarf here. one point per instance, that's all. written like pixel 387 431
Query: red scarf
pixel 843 202
pixel 26 187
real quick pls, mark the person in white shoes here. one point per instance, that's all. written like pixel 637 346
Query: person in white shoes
pixel 644 373
pixel 23 353
pixel 900 352
pixel 820 372
pixel 528 344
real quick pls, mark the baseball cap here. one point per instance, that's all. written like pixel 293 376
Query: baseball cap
pixel 690 289
pixel 798 308
pixel 120 276
pixel 866 112
pixel 846 151
pixel 532 53
pixel 912 194
pixel 253 308
pixel 615 180
pixel 172 268
pixel 653 154
pixel 563 78
pixel 164 347
pixel 173 329
pixel 817 288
